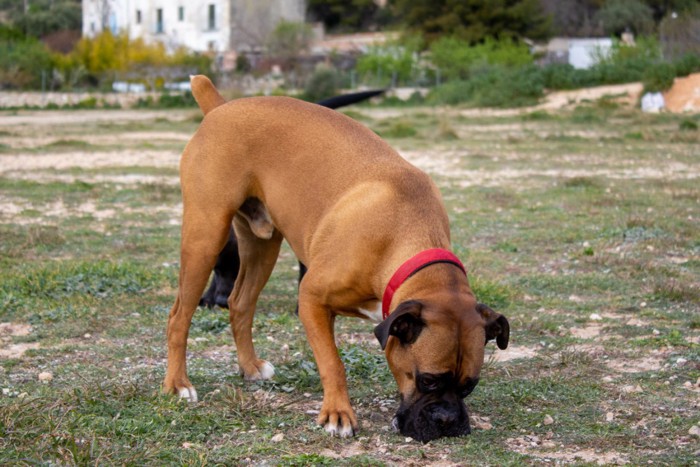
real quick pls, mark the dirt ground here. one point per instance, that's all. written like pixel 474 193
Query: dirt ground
pixel 119 157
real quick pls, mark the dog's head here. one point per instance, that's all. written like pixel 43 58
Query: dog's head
pixel 435 354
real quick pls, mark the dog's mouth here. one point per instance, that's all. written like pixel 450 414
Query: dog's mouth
pixel 429 419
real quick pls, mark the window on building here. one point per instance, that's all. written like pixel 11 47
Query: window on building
pixel 212 16
pixel 138 16
pixel 159 21
pixel 181 13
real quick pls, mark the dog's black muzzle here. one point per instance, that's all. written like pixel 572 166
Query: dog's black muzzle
pixel 432 417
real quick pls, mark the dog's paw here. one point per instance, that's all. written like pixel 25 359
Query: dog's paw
pixel 189 394
pixel 260 371
pixel 183 389
pixel 338 423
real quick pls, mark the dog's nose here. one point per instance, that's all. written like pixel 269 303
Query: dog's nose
pixel 443 416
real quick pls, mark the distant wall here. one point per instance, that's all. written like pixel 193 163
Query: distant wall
pixel 38 99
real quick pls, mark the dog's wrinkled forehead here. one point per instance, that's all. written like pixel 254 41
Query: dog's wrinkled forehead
pixel 437 346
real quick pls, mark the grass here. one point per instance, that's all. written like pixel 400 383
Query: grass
pixel 580 226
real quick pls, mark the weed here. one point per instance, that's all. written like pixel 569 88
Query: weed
pixel 399 129
pixel 688 125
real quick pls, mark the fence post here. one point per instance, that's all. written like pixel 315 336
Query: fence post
pixel 43 87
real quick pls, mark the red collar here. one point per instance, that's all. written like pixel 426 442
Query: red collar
pixel 413 265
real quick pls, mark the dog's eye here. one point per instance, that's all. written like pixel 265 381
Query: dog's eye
pixel 429 383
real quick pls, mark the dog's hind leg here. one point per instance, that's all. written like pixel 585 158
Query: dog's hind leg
pixel 203 236
pixel 258 257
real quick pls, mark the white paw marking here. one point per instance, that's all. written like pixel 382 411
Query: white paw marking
pixel 267 371
pixel 374 314
pixel 346 432
pixel 190 394
pixel 341 431
pixel 395 424
pixel 331 429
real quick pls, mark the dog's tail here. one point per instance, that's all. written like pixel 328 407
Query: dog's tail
pixel 349 99
pixel 204 92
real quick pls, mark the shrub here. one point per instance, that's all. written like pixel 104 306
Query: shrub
pixel 493 86
pixel 323 83
pixel 380 64
pixel 687 64
pixel 457 58
pixel 22 61
pixel 659 78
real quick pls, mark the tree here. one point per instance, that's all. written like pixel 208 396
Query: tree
pixel 662 8
pixel 474 20
pixel 289 40
pixel 680 34
pixel 42 17
pixel 573 18
pixel 344 15
pixel 617 16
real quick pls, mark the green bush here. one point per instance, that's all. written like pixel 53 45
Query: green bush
pixel 22 61
pixel 659 78
pixel 381 64
pixel 166 101
pixel 324 83
pixel 457 58
pixel 687 64
pixel 493 86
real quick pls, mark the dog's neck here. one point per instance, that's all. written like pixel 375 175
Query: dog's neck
pixel 427 283
pixel 412 266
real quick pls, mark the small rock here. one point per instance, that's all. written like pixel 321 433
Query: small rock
pixel 687 384
pixel 481 423
pixel 548 420
pixel 656 332
pixel 187 445
pixel 277 438
pixel 595 317
pixel 45 376
pixel 608 379
pixel 22 395
pixel 5 391
pixel 609 417
pixel 87 335
pixel 408 439
pixel 632 389
pixel 681 361
pixel 694 431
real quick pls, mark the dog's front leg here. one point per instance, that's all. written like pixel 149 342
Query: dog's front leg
pixel 337 416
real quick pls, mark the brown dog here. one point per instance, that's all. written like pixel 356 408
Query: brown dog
pixel 371 229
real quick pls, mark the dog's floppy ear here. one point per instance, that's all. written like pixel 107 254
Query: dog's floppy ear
pixel 405 323
pixel 497 326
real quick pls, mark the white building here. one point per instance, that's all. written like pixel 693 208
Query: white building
pixel 200 25
pixel 580 53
